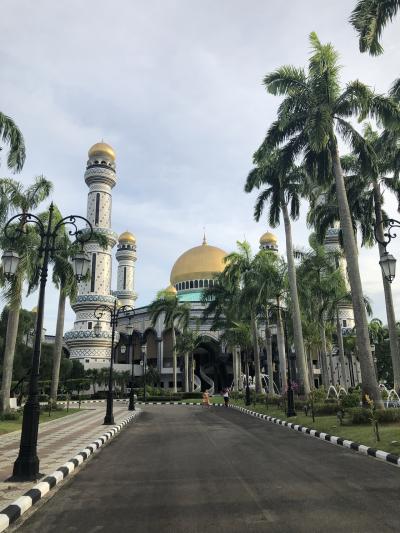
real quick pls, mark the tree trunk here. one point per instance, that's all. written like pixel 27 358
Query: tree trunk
pixel 280 337
pixel 257 370
pixel 343 381
pixel 391 317
pixel 268 347
pixel 175 388
pixel 191 385
pixel 8 360
pixel 296 317
pixel 324 361
pixel 186 372
pixel 234 367
pixel 58 345
pixel 369 381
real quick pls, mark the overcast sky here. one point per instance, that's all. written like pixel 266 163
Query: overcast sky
pixel 175 87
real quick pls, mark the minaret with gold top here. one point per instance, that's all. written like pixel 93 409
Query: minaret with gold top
pixel 126 257
pixel 84 344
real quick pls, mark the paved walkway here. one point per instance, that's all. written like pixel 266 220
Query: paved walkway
pixel 58 441
pixel 188 470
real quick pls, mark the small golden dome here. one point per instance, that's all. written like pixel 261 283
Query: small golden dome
pixel 102 150
pixel 34 309
pixel 200 262
pixel 268 238
pixel 127 236
pixel 170 290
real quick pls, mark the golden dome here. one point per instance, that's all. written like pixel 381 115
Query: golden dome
pixel 268 238
pixel 200 262
pixel 127 236
pixel 102 150
pixel 34 309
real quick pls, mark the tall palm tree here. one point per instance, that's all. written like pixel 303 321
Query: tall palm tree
pixel 369 18
pixel 175 315
pixel 240 270
pixel 24 200
pixel 281 196
pixel 313 112
pixel 11 135
pixel 186 344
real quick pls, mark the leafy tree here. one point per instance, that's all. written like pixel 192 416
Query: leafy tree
pixel 175 315
pixel 369 18
pixel 16 198
pixel 281 196
pixel 12 136
pixel 313 112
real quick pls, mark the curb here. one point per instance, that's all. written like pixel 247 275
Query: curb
pixel 13 511
pixel 326 437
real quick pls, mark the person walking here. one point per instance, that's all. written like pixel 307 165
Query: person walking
pixel 226 397
pixel 206 399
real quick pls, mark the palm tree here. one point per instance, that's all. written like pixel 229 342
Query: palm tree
pixel 186 344
pixel 369 18
pixel 283 188
pixel 18 199
pixel 240 271
pixel 175 315
pixel 311 115
pixel 12 136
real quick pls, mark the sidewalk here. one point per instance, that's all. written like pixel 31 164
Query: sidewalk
pixel 58 441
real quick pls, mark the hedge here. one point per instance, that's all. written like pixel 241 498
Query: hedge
pixel 358 415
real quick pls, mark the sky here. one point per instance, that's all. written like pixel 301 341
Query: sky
pixel 175 86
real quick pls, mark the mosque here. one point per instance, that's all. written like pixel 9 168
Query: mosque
pixel 192 272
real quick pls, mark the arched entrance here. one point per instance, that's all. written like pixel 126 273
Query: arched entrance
pixel 212 367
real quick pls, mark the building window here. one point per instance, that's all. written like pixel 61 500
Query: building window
pixel 124 287
pixel 186 284
pixel 97 214
pixel 89 325
pixel 211 283
pixel 201 284
pixel 93 274
pixel 196 284
pixel 345 323
pixel 191 284
pixel 87 361
pixel 206 283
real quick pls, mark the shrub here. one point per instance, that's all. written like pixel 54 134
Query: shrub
pixel 352 399
pixel 326 409
pixel 359 415
pixel 43 397
pixel 193 395
pixel 13 415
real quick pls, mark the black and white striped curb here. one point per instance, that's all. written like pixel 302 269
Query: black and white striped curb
pixel 338 441
pixel 142 403
pixel 12 512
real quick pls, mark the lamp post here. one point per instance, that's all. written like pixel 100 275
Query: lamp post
pixel 26 466
pixel 131 406
pixel 143 362
pixel 387 260
pixel 115 314
pixel 246 363
pixel 290 393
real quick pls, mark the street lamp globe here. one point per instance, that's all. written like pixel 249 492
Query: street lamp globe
pixel 97 329
pixel 81 265
pixel 129 329
pixel 10 262
pixel 388 266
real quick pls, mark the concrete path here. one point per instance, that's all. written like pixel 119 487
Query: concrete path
pixel 58 441
pixel 194 470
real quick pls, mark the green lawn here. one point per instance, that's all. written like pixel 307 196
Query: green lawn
pixel 361 434
pixel 6 426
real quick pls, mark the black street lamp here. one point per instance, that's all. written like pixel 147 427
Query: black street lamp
pixel 115 314
pixel 387 260
pixel 246 363
pixel 290 393
pixel 131 406
pixel 143 362
pixel 26 466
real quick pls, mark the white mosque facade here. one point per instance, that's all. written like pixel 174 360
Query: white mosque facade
pixel 192 272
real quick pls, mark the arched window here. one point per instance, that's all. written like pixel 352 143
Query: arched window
pixel 201 284
pixel 196 284
pixel 89 325
pixel 211 283
pixel 186 284
pixel 97 213
pixel 206 283
pixel 93 273
pixel 124 286
pixel 191 284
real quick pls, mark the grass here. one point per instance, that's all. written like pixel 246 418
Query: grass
pixel 362 434
pixel 6 426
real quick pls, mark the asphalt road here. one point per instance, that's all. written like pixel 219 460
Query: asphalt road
pixel 191 469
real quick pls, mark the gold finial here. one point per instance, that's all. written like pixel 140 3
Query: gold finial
pixel 204 236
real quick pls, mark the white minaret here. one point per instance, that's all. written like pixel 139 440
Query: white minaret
pixel 126 257
pixel 84 345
